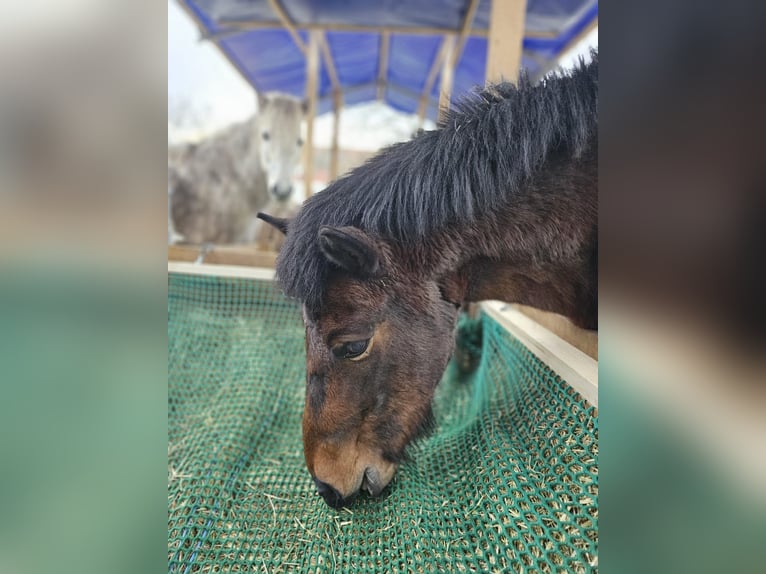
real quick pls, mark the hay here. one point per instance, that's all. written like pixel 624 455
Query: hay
pixel 507 483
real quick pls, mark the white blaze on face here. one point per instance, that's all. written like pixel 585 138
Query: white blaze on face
pixel 280 123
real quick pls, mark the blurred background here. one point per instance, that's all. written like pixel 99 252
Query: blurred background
pixel 367 75
pixel 206 94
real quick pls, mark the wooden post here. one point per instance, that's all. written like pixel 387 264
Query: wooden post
pixel 371 28
pixel 506 33
pixel 337 97
pixel 312 86
pixel 464 31
pixel 448 70
pixel 279 10
pixel 337 100
pixel 448 58
pixel 385 39
pixel 426 93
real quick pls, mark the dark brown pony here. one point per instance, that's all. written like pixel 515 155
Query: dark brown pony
pixel 500 202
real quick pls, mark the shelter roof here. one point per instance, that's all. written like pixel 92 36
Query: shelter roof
pixel 390 50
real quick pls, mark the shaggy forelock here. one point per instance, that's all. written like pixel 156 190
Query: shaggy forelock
pixel 499 137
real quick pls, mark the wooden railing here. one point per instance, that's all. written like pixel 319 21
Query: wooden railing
pixel 243 255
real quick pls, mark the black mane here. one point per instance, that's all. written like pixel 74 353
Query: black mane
pixel 485 149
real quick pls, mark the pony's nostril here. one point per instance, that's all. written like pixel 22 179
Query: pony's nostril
pixel 371 481
pixel 330 495
pixel 325 489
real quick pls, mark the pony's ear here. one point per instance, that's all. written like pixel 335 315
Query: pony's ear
pixel 352 250
pixel 280 223
pixel 305 107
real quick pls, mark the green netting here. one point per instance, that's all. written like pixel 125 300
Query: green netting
pixel 507 483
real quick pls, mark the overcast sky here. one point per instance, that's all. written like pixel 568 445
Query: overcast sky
pixel 215 95
pixel 199 74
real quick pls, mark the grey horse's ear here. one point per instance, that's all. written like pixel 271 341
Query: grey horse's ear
pixel 352 250
pixel 280 223
pixel 305 107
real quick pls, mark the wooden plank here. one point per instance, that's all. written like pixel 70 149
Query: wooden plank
pixel 464 32
pixel 448 70
pixel 578 369
pixel 364 86
pixel 504 45
pixel 586 341
pixel 334 149
pixel 328 61
pixel 233 271
pixel 287 23
pixel 373 29
pixel 384 48
pixel 337 102
pixel 453 52
pixel 221 34
pixel 223 255
pixel 312 88
pixel 436 65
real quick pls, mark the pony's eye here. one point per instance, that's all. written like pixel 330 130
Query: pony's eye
pixel 351 350
pixel 265 136
pixel 300 142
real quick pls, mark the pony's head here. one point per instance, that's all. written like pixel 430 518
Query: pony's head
pixel 279 125
pixel 375 350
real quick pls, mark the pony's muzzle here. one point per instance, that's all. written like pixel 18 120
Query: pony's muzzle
pixel 341 471
pixel 373 482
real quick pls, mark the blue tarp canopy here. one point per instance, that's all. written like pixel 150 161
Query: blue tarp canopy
pixel 252 35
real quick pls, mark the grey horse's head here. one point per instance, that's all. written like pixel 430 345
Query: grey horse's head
pixel 280 119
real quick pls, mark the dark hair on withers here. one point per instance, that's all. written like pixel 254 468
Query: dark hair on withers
pixel 485 149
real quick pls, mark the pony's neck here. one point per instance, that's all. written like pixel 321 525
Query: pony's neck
pixel 534 251
pixel 569 290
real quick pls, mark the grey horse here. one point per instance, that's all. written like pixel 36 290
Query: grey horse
pixel 216 187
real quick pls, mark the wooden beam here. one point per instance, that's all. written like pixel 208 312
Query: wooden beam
pixel 337 100
pixel 221 34
pixel 334 150
pixel 464 32
pixel 329 63
pixel 436 65
pixel 312 88
pixel 506 33
pixel 393 87
pixel 583 339
pixel 383 49
pixel 575 367
pixel 453 50
pixel 366 85
pixel 230 271
pixel 356 28
pixel 448 71
pixel 287 23
pixel 223 255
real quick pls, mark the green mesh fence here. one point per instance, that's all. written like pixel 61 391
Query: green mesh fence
pixel 507 483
